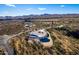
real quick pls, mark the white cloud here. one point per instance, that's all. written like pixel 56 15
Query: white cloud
pixel 10 5
pixel 41 8
pixel 62 6
pixel 29 9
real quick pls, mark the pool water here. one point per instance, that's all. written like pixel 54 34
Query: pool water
pixel 42 39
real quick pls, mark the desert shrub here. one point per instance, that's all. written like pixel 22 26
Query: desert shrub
pixel 2 51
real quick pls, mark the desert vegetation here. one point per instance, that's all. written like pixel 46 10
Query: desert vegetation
pixel 2 51
pixel 9 27
pixel 62 45
pixel 65 38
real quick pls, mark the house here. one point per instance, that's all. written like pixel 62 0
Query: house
pixel 41 36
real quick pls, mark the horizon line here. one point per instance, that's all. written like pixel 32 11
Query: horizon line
pixel 38 14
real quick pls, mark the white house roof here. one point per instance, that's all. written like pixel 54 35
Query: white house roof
pixel 39 33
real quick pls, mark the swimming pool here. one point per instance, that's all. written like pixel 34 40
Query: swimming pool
pixel 42 39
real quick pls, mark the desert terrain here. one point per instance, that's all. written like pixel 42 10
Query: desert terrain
pixel 63 30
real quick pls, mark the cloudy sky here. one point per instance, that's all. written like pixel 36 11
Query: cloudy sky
pixel 26 9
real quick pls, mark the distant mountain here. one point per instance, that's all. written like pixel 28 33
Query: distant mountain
pixel 42 16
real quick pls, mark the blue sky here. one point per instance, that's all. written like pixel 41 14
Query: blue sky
pixel 27 9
